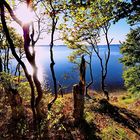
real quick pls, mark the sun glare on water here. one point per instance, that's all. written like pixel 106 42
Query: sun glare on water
pixel 24 13
pixel 39 73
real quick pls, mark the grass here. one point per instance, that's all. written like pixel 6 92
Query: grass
pixel 114 133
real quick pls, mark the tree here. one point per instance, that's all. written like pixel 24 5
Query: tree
pixel 79 50
pixel 131 60
pixel 130 48
pixel 12 46
pixel 128 10
pixel 53 9
pixel 28 39
pixel 18 41
pixel 89 23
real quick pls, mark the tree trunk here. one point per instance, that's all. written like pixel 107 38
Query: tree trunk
pixel 39 92
pixel 54 22
pixel 1 68
pixel 7 60
pixel 78 102
pixel 4 61
pixel 31 59
pixel 12 47
pixel 1 65
pixel 78 94
pixel 91 76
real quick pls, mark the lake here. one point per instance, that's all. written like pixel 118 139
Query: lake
pixel 66 75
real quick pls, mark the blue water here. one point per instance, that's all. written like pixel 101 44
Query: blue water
pixel 67 75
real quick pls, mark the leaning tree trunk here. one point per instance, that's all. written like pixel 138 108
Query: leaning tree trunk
pixel 78 93
pixel 31 59
pixel 7 60
pixel 4 59
pixel 12 47
pixel 91 76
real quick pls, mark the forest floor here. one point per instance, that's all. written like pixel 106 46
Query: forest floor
pixel 117 119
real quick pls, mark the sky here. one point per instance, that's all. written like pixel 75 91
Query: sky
pixel 117 31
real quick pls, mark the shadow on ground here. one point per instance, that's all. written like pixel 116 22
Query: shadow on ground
pixel 24 130
pixel 72 130
pixel 89 130
pixel 120 115
pixel 64 129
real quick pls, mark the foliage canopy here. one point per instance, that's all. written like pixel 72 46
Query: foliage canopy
pixel 131 60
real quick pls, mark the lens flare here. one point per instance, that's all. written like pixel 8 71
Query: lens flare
pixel 24 13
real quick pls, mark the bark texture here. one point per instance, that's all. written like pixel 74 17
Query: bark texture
pixel 12 47
pixel 78 93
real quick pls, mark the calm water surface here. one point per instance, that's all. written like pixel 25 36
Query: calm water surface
pixel 66 74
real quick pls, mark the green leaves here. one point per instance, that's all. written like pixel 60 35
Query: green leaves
pixel 131 48
pixel 17 39
pixel 132 79
pixel 131 60
pixel 127 9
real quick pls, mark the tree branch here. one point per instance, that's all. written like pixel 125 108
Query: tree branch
pixel 12 13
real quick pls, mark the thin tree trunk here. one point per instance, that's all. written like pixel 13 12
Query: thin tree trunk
pixel 54 22
pixel 91 76
pixel 4 61
pixel 53 73
pixel 18 71
pixel 103 71
pixel 18 68
pixel 1 68
pixel 7 60
pixel 105 29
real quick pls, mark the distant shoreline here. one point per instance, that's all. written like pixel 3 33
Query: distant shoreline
pixel 66 45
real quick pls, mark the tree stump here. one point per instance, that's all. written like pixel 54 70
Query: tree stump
pixel 78 102
pixel 78 93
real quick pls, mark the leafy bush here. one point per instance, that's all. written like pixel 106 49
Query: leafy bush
pixel 131 60
pixel 132 79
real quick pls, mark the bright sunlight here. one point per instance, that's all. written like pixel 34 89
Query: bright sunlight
pixel 24 13
pixel 39 73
